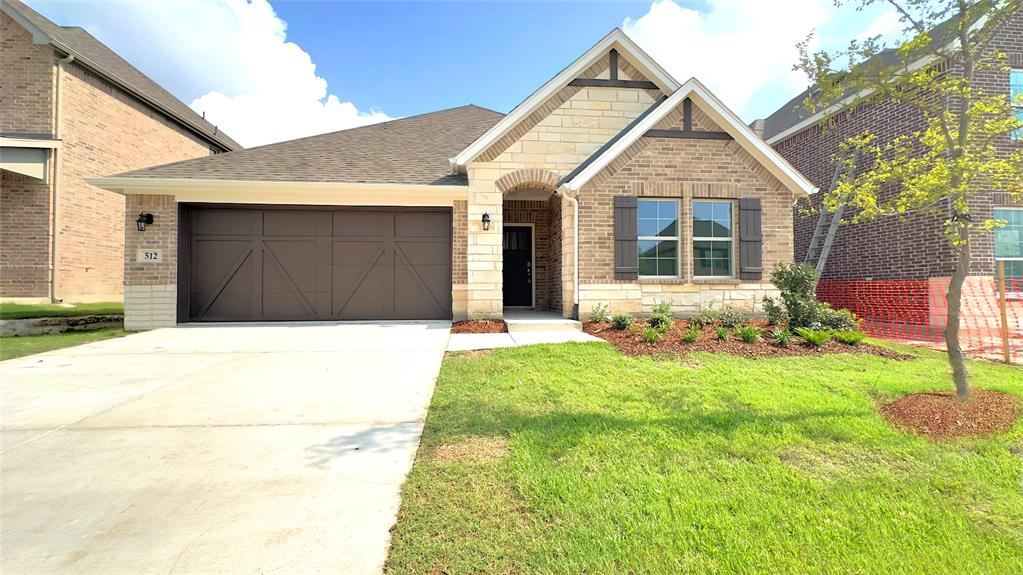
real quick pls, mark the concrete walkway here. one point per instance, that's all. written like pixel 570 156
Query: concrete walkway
pixel 214 449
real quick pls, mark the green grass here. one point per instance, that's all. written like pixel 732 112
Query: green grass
pixel 26 311
pixel 704 464
pixel 11 347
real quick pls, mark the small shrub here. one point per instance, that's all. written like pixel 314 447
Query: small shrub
pixel 731 317
pixel 661 322
pixel 747 333
pixel 721 332
pixel 776 314
pixel 662 307
pixel 651 335
pixel 705 317
pixel 849 337
pixel 782 337
pixel 599 313
pixel 814 337
pixel 690 335
pixel 621 321
pixel 838 319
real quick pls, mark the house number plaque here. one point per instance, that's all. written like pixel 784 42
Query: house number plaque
pixel 149 256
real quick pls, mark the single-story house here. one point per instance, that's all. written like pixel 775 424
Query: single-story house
pixel 613 183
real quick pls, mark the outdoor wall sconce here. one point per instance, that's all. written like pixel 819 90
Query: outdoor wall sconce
pixel 486 222
pixel 144 220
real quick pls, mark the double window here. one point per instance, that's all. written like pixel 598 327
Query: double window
pixel 660 231
pixel 1016 95
pixel 1009 241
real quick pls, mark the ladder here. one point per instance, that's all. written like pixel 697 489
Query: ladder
pixel 827 222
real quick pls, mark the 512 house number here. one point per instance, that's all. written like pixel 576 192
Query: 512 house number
pixel 149 256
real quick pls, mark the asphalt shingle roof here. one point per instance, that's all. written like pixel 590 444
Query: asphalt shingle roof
pixel 412 150
pixel 84 46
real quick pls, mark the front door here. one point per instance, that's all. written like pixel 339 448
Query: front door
pixel 518 266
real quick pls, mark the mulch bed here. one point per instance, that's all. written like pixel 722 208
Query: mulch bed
pixel 631 343
pixel 941 416
pixel 479 326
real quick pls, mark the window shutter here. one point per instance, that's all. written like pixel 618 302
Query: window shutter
pixel 751 241
pixel 626 248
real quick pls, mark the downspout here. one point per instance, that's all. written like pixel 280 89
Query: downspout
pixel 563 192
pixel 57 133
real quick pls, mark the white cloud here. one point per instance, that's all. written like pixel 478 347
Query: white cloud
pixel 230 58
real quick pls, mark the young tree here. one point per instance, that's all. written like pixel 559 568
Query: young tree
pixel 943 166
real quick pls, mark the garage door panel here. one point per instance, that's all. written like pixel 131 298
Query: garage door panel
pixel 320 264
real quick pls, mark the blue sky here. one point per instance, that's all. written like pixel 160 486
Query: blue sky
pixel 284 69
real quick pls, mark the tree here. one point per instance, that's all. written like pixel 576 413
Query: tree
pixel 944 166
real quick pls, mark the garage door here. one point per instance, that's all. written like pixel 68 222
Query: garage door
pixel 272 264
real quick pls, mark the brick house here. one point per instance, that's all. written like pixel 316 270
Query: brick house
pixel 612 183
pixel 907 261
pixel 70 109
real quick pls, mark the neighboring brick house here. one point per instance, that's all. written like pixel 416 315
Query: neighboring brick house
pixel 909 258
pixel 71 109
pixel 613 183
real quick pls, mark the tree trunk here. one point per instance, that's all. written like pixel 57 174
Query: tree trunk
pixel 954 305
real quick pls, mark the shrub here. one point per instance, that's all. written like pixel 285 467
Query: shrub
pixel 721 332
pixel 798 283
pixel 838 319
pixel 848 337
pixel 814 337
pixel 690 335
pixel 661 322
pixel 776 314
pixel 705 317
pixel 782 337
pixel 621 321
pixel 747 333
pixel 662 307
pixel 731 317
pixel 599 313
pixel 651 335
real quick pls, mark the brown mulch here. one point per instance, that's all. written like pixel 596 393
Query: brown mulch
pixel 631 343
pixel 940 415
pixel 479 326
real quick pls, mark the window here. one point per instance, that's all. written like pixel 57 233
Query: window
pixel 712 239
pixel 658 232
pixel 1016 96
pixel 1009 241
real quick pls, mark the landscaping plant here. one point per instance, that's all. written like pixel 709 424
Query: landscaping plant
pixel 776 314
pixel 782 337
pixel 691 335
pixel 651 335
pixel 599 313
pixel 848 337
pixel 661 322
pixel 662 307
pixel 731 317
pixel 949 166
pixel 814 337
pixel 705 317
pixel 747 333
pixel 621 321
pixel 721 332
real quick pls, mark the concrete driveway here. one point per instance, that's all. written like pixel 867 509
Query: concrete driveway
pixel 213 449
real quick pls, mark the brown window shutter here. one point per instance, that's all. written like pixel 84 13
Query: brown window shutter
pixel 626 247
pixel 751 240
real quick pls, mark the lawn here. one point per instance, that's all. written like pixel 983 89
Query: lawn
pixel 24 311
pixel 11 347
pixel 575 459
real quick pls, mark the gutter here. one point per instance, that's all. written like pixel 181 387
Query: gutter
pixel 54 196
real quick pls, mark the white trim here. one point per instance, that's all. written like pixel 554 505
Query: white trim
pixel 15 142
pixel 616 40
pixel 677 237
pixel 532 265
pixel 720 114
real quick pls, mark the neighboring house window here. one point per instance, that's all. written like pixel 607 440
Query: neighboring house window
pixel 1009 242
pixel 1016 94
pixel 658 234
pixel 712 239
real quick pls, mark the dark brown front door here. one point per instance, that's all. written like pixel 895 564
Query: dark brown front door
pixel 317 264
pixel 518 266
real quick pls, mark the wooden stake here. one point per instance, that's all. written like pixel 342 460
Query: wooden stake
pixel 1003 307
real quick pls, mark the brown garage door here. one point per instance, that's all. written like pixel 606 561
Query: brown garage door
pixel 271 264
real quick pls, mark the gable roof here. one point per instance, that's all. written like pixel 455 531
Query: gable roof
pixel 616 40
pixel 93 54
pixel 720 114
pixel 412 150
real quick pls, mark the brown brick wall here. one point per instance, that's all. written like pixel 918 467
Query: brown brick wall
pixel 26 81
pixel 162 234
pixel 889 248
pixel 24 236
pixel 535 212
pixel 459 238
pixel 555 280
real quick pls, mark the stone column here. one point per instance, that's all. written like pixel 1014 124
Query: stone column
pixel 484 295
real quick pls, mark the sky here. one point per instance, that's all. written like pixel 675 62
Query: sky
pixel 267 71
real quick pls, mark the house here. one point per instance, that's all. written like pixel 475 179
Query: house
pixel 896 269
pixel 70 109
pixel 612 183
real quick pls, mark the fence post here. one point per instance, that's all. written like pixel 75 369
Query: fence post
pixel 1003 307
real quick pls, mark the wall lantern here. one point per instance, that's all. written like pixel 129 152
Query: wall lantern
pixel 486 222
pixel 144 220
